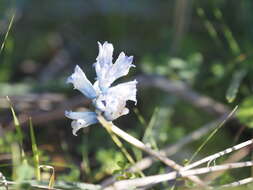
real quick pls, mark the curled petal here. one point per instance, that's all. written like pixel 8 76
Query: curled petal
pixel 119 69
pixel 105 54
pixel 81 119
pixel 104 60
pixel 80 115
pixel 81 83
pixel 125 91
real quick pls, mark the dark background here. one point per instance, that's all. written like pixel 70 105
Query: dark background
pixel 207 45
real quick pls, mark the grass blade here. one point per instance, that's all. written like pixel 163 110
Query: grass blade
pixel 7 33
pixel 35 150
pixel 16 122
pixel 212 134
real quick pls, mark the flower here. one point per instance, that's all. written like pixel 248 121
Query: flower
pixel 106 71
pixel 110 101
pixel 81 83
pixel 81 119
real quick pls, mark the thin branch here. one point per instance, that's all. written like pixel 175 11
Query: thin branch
pixel 219 154
pixel 58 186
pixel 148 161
pixel 170 150
pixel 238 183
pixel 117 141
pixel 235 157
pixel 231 114
pixel 155 179
pixel 32 185
pixel 138 144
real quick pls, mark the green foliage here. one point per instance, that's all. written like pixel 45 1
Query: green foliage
pixel 214 43
pixel 122 173
pixel 149 135
pixel 226 178
pixel 7 140
pixel 35 150
pixel 16 123
pixel 24 172
pixel 108 159
pixel 174 67
pixel 73 174
pixel 245 113
pixel 235 84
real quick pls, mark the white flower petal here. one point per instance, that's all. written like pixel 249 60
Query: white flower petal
pixel 115 107
pixel 121 67
pixel 104 60
pixel 81 83
pixel 125 91
pixel 96 87
pixel 112 103
pixel 79 115
pixel 105 54
pixel 81 119
pixel 107 72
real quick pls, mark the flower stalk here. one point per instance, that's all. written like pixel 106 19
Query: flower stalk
pixel 140 145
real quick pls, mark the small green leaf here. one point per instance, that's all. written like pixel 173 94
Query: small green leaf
pixel 16 121
pixel 245 113
pixel 235 84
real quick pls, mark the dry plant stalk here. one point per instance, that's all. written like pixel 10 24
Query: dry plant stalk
pixel 140 145
pixel 235 157
pixel 238 183
pixel 219 154
pixel 170 150
pixel 155 179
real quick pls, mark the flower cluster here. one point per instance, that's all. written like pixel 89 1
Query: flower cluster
pixel 109 101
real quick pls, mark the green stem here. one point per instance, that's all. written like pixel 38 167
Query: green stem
pixel 117 141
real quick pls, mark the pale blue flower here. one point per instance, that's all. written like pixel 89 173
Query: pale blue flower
pixel 113 102
pixel 81 83
pixel 107 100
pixel 81 119
pixel 107 72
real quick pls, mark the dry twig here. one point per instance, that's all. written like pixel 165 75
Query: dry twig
pixel 155 179
pixel 238 183
pixel 219 154
pixel 171 149
pixel 138 144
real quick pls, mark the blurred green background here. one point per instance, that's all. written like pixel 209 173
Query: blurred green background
pixel 207 45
